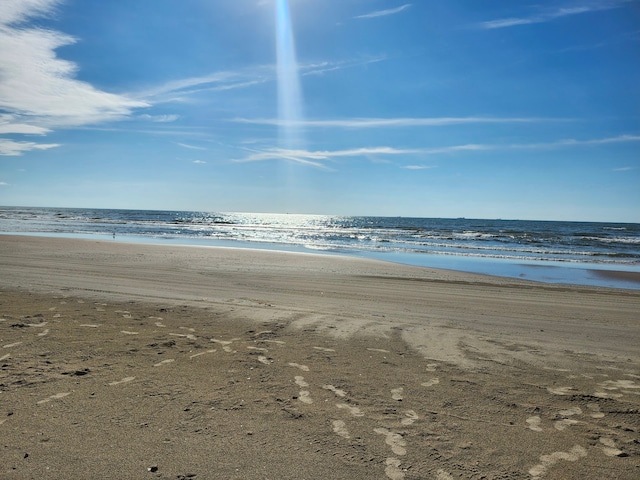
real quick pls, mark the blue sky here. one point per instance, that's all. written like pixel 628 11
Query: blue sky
pixel 434 108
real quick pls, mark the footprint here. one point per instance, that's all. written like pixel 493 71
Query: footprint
pixel 560 390
pixel 304 368
pixel 89 325
pixel 124 380
pixel 201 353
pixel 164 362
pixel 225 344
pixel 595 409
pixel 392 469
pixel 41 324
pixel 4 357
pixel 547 461
pixel 265 360
pixel 301 382
pixel 305 397
pixel 534 423
pixel 160 324
pixel 54 397
pixel 259 349
pixel 396 394
pixel 570 411
pixel 127 332
pixel 339 427
pixel 431 383
pixel 394 440
pixel 184 335
pixel 610 449
pixel 264 332
pixel 431 367
pixel 378 350
pixel 410 419
pixel 563 424
pixel 607 395
pixel 43 333
pixel 337 391
pixel 619 384
pixel 11 345
pixel 355 411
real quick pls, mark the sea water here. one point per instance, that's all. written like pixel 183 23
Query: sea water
pixel 562 252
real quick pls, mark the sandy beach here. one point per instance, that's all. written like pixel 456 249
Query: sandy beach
pixel 145 361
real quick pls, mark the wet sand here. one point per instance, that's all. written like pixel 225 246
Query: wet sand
pixel 146 361
pixel 632 277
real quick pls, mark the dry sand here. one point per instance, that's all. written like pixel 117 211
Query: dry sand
pixel 139 361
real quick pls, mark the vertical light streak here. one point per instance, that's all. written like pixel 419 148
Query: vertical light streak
pixel 289 92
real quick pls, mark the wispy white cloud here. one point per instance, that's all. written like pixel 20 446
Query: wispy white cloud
pixel 4 184
pixel 391 122
pixel 384 13
pixel 570 142
pixel 324 67
pixel 190 147
pixel 38 90
pixel 180 89
pixel 624 169
pixel 319 158
pixel 13 148
pixel 199 162
pixel 278 153
pixel 17 11
pixel 160 118
pixel 573 142
pixel 417 167
pixel 550 15
pixel 34 81
pixel 10 124
pixel 316 158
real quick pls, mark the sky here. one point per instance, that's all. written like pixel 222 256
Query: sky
pixel 427 108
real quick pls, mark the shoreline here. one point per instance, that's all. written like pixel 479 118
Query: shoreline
pixel 561 273
pixel 131 360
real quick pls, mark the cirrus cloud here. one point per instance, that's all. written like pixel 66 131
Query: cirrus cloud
pixel 39 91
pixel 549 16
pixel 384 13
pixel 12 148
pixel 319 158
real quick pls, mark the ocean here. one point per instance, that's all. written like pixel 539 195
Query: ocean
pixel 556 252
